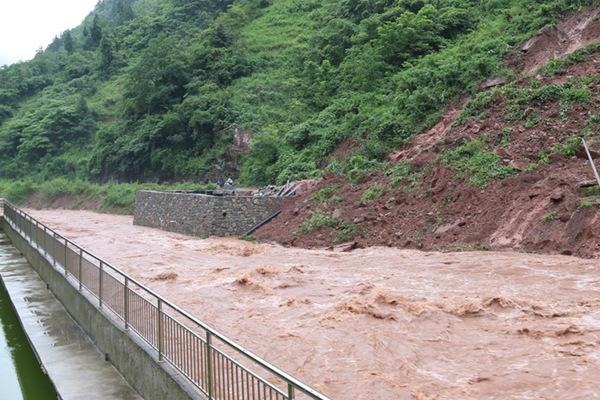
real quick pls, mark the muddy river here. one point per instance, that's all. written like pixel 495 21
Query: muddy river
pixel 377 323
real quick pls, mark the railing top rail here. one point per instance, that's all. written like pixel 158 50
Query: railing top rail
pixel 224 339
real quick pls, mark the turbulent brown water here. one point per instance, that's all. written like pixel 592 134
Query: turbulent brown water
pixel 377 323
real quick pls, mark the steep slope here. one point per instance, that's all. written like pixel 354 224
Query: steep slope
pixel 150 90
pixel 504 170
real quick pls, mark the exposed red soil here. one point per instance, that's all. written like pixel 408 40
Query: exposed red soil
pixel 558 41
pixel 447 213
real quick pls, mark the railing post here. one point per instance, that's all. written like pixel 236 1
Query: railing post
pixel 160 330
pixel 291 394
pixel 45 241
pixel 54 249
pixel 100 279
pixel 126 303
pixel 80 278
pixel 209 365
pixel 66 270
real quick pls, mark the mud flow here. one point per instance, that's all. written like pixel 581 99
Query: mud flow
pixel 377 323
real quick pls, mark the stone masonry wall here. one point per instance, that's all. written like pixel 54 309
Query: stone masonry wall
pixel 203 215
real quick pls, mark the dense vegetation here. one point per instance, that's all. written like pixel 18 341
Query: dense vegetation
pixel 113 198
pixel 154 90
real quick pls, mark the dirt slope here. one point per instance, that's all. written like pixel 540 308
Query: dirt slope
pixel 534 201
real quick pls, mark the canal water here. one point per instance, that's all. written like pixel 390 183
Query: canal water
pixel 21 377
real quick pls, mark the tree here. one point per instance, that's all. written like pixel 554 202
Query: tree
pixel 122 10
pixel 106 55
pixel 55 45
pixel 96 32
pixel 157 81
pixel 68 42
pixel 411 35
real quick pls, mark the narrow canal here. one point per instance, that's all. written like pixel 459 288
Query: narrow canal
pixel 21 377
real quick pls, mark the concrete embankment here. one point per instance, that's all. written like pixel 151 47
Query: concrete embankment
pixel 75 366
pixel 131 357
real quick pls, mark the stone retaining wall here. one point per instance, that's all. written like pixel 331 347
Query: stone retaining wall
pixel 203 215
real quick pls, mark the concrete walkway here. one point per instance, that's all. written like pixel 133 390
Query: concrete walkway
pixel 75 366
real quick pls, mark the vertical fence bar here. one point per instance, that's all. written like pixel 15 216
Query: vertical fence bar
pixel 100 283
pixel 126 303
pixel 54 249
pixel 80 278
pixel 66 270
pixel 290 392
pixel 159 329
pixel 209 365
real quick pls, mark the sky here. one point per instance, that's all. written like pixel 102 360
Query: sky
pixel 27 25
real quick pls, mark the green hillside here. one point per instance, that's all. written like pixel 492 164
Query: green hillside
pixel 154 91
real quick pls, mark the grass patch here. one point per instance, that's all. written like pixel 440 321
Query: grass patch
pixel 248 238
pixel 520 100
pixel 477 108
pixel 569 147
pixel 318 220
pixel 505 136
pixel 372 193
pixel 590 191
pixel 326 196
pixel 473 160
pixel 553 216
pixel 405 173
pixel 358 167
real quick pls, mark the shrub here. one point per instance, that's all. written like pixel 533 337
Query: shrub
pixel 359 166
pixel 17 192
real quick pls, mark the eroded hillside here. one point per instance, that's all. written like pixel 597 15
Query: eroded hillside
pixel 504 169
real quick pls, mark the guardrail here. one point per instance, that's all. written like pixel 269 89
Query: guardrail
pixel 217 366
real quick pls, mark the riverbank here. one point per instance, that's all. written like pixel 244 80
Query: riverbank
pixel 115 198
pixel 378 322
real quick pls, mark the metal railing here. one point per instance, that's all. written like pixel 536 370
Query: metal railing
pixel 218 367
